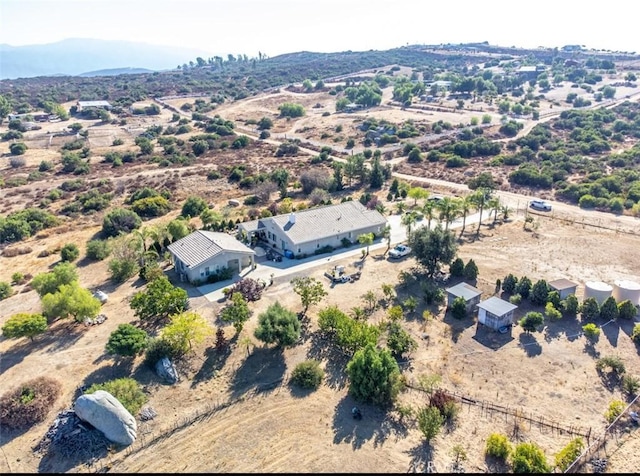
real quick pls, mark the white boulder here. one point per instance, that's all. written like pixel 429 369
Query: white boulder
pixel 105 412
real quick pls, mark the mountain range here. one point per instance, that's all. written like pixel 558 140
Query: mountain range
pixel 81 56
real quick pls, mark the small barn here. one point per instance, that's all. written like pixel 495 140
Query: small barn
pixel 564 287
pixel 496 313
pixel 470 294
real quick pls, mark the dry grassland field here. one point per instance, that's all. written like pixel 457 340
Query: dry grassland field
pixel 237 412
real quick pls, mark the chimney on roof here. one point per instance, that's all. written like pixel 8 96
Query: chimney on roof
pixel 292 218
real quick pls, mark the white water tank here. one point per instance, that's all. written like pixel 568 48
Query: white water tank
pixel 624 289
pixel 598 290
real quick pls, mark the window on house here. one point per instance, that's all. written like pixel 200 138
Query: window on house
pixel 206 271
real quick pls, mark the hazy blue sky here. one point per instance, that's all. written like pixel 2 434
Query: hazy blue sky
pixel 220 27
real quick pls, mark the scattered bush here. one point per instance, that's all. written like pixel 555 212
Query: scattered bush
pixel 630 384
pixel 69 252
pixel 498 446
pixel 615 409
pixel 98 250
pixel 5 290
pixel 29 403
pixel 308 374
pixel 529 458
pixel 614 364
pixel 569 453
pixel 591 330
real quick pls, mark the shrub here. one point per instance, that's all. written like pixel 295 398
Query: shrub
pixel 635 335
pixel 430 421
pixel 18 148
pixel 69 252
pixel 615 409
pixel 5 290
pixel 250 289
pixel 128 392
pixel 498 446
pixel 613 363
pixel 569 453
pixel 98 250
pixel 591 330
pixel 127 340
pixel 459 308
pixel 630 384
pixel 29 403
pixel 445 403
pixel 529 458
pixel 120 220
pixel 308 374
pixel 551 312
pixel 515 299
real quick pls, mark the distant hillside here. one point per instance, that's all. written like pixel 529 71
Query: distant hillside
pixel 77 56
pixel 115 72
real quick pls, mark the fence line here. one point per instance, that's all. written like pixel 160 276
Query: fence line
pixel 598 442
pixel 489 408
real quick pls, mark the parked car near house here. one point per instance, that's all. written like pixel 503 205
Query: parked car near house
pixel 399 251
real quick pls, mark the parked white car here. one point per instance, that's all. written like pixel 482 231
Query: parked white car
pixel 101 296
pixel 540 205
pixel 399 251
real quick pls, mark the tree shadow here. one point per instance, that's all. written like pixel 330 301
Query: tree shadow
pixel 214 361
pixel 457 326
pixel 590 348
pixel 262 368
pixel 571 329
pixel 64 334
pixel 421 458
pixel 496 465
pixel 491 338
pixel 530 344
pixel 322 348
pixel 356 432
pixel 611 330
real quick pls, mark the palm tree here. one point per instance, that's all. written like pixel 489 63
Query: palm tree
pixel 479 199
pixel 401 207
pixel 465 205
pixel 428 209
pixel 366 239
pixel 494 206
pixel 408 220
pixel 448 210
pixel 505 211
pixel 386 233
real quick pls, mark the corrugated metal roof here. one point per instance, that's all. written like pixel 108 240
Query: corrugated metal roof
pixel 561 284
pixel 201 246
pixel 497 306
pixel 465 290
pixel 330 220
pixel 93 103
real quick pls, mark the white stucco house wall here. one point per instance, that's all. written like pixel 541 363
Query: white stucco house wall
pixel 203 253
pixel 303 232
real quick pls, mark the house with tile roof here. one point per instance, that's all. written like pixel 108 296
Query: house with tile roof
pixel 304 232
pixel 205 253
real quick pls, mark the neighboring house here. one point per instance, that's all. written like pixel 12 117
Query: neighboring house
pixel 470 294
pixel 496 313
pixel 304 232
pixel 563 286
pixel 204 253
pixel 84 105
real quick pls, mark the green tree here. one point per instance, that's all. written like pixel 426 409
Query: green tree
pixel 366 239
pixel 399 341
pixel 523 287
pixel 265 123
pixel 609 309
pixel 280 177
pixel 459 308
pixel 236 312
pixel 185 330
pixel 456 268
pixel 417 193
pixel 5 108
pixel 590 309
pixel 430 421
pixel 69 252
pixel 531 321
pixel 570 305
pixel 374 376
pixel 48 283
pixel 193 207
pixel 278 325
pixel 626 310
pixel 529 458
pixel 470 271
pixel 539 292
pixel 127 341
pixel 448 208
pixel 120 220
pixel 310 290
pixel 433 248
pixel 24 325
pixel 291 110
pixel 479 199
pixel 509 283
pixel 161 299
pixel 551 312
pixel 71 300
